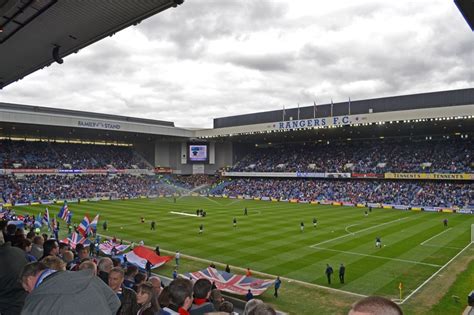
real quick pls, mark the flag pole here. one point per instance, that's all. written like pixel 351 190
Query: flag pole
pixel 332 105
pixel 349 105
pixel 283 113
pixel 298 111
pixel 314 109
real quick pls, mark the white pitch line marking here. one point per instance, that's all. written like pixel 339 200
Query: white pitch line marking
pixel 369 228
pixel 380 257
pixel 423 243
pixel 347 228
pixel 434 275
pixel 183 213
pixel 441 246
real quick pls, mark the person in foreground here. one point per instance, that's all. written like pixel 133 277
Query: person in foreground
pixel 375 305
pixel 65 292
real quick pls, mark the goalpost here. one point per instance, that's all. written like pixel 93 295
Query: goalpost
pixel 472 233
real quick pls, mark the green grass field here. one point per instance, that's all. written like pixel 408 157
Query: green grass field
pixel 269 240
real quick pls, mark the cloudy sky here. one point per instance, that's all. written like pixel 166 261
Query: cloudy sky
pixel 216 58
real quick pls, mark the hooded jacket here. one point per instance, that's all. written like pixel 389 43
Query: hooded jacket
pixel 71 292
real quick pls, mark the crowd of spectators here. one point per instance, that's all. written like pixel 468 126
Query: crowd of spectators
pixel 52 155
pixel 30 188
pixel 377 156
pixel 54 278
pixel 33 188
pixel 409 193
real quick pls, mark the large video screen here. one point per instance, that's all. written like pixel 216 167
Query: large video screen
pixel 198 152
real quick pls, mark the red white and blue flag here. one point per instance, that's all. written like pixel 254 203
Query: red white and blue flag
pixel 64 212
pixel 46 219
pixel 75 239
pixel 140 255
pixel 83 227
pixel 106 247
pixel 93 224
pixel 228 282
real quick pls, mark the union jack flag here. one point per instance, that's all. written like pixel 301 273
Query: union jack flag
pixel 106 247
pixel 83 227
pixel 75 239
pixel 228 282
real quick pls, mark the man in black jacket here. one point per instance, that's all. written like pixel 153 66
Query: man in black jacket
pixel 12 295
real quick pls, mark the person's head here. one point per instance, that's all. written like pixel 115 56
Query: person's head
pixel 131 272
pixel 105 264
pixel 50 247
pixel 202 289
pixel 11 229
pixel 63 247
pixel 139 278
pixel 116 276
pixel 181 291
pixel 164 297
pixel 216 298
pixel 54 262
pixel 263 309
pixel 30 273
pixel 156 282
pixel 226 306
pixel 375 305
pixel 79 247
pixel 45 237
pixel 38 240
pixel 146 294
pixel 83 253
pixel 30 235
pixel 89 264
pixel 20 232
pixel 68 256
pixel 251 305
pixel 25 244
pixel 116 262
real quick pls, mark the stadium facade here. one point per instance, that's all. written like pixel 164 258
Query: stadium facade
pixel 438 114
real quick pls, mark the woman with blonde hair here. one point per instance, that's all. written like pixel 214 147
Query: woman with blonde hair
pixel 147 299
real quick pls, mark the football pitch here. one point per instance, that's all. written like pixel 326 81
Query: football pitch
pixel 415 245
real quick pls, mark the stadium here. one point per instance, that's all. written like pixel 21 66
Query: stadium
pixel 341 201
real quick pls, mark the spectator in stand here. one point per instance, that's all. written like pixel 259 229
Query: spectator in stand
pixel 164 297
pixel 156 282
pixel 180 297
pixel 375 305
pixel 50 248
pixel 12 295
pixel 216 298
pixel 89 265
pixel 127 297
pixel 226 307
pixel 58 292
pixel 68 258
pixel 130 274
pixel 104 266
pixel 147 299
pixel 251 305
pixel 139 279
pixel 201 303
pixel 26 246
pixel 54 263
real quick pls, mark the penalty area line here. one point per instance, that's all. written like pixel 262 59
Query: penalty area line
pixel 379 257
pixel 434 275
pixel 423 243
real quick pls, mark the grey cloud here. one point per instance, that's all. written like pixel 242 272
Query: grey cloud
pixel 267 62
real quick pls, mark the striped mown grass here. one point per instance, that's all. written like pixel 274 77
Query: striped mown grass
pixel 268 240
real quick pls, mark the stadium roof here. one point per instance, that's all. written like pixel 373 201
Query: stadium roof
pixel 375 105
pixel 36 33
